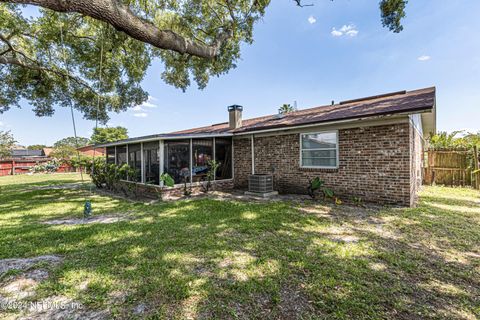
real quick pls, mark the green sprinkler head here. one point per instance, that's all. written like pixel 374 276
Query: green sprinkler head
pixel 87 210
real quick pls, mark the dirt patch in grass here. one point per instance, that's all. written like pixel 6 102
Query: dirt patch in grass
pixel 19 279
pixel 23 264
pixel 94 219
pixel 75 185
pixel 60 307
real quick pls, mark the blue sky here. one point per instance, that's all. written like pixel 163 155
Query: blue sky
pixel 335 50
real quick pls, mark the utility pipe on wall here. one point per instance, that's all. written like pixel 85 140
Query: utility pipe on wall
pixel 253 154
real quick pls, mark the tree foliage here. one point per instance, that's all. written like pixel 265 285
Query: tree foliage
pixel 393 11
pixel 7 143
pixel 109 44
pixel 103 135
pixel 36 147
pixel 66 148
pixel 286 108
pixel 454 140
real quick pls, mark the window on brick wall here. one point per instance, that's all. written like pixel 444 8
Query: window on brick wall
pixel 319 150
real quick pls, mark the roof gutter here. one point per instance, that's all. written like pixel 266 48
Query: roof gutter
pixel 162 137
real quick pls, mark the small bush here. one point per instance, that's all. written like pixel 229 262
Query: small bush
pixel 49 167
pixel 212 169
pixel 316 184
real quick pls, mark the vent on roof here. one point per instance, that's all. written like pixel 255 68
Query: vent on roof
pixel 374 97
pixel 278 116
pixel 219 124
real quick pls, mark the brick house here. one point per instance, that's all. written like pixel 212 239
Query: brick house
pixel 370 148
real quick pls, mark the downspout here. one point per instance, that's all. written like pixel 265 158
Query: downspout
pixel 214 159
pixel 142 160
pixel 128 161
pixel 191 161
pixel 161 160
pixel 253 154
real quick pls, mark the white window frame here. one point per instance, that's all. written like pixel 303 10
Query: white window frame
pixel 336 149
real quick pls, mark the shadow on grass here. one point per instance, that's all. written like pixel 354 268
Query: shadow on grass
pixel 224 259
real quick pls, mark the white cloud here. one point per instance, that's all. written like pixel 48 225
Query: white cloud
pixel 351 33
pixel 346 30
pixel 1 124
pixel 424 58
pixel 147 104
pixel 312 20
pixel 336 33
pixel 140 109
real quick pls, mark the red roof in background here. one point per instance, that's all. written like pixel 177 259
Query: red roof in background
pixel 390 103
pixel 89 150
pixel 47 151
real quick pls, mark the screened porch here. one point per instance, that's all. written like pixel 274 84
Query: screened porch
pixel 185 160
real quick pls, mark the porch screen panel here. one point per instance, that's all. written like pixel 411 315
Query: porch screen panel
pixel 121 155
pixel 223 155
pixel 202 152
pixel 135 161
pixel 111 155
pixel 177 159
pixel 152 162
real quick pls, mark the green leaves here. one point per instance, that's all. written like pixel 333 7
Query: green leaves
pixel 286 108
pixel 167 180
pixel 316 183
pixel 103 66
pixel 103 135
pixel 393 11
pixel 6 143
pixel 451 141
pixel 67 147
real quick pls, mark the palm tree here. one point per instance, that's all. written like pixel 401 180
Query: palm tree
pixel 286 108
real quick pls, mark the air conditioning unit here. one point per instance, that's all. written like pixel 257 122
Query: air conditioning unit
pixel 260 183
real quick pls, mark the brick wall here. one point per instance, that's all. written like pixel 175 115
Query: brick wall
pixel 153 191
pixel 375 163
pixel 242 159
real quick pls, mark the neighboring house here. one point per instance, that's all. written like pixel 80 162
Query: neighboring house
pixel 370 148
pixel 91 151
pixel 23 161
pixel 26 153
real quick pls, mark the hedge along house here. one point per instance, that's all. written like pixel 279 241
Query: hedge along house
pixel 371 148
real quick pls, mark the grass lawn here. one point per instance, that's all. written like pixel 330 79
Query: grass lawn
pixel 227 259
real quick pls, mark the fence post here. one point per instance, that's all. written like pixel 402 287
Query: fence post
pixel 475 166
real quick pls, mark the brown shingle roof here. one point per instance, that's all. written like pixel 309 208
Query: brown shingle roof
pixel 397 102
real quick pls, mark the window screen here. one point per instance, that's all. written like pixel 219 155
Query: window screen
pixel 319 150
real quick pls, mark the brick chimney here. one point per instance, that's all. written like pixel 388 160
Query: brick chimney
pixel 235 116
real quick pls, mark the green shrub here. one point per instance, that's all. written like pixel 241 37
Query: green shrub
pixel 316 184
pixel 49 167
pixel 212 169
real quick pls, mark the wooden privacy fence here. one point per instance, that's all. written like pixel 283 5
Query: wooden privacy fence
pixel 20 166
pixel 452 168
